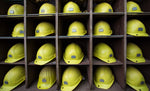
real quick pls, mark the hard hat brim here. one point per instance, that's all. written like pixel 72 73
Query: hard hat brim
pixel 139 34
pixel 109 60
pixel 142 88
pixel 42 62
pixel 10 60
pixel 70 88
pixel 137 59
pixel 104 86
pixel 44 85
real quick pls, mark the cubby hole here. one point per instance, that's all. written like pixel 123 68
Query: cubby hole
pixel 84 84
pixel 84 45
pixel 32 47
pixel 5 4
pixel 33 6
pixel 144 46
pixel 32 23
pixel 83 4
pixel 117 45
pixel 144 5
pixel 117 5
pixel 144 19
pixel 66 21
pixel 119 82
pixel 144 69
pixel 116 23
pixel 4 72
pixel 33 77
pixel 7 25
pixel 4 48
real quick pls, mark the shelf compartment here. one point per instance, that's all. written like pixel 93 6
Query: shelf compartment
pixel 112 36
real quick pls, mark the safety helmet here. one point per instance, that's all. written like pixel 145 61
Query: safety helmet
pixel 15 53
pixel 13 78
pixel 102 28
pixel 71 78
pixel 103 77
pixel 104 52
pixel 47 8
pixel 44 29
pixel 71 7
pixel 18 30
pixel 47 77
pixel 136 28
pixel 134 53
pixel 73 54
pixel 76 29
pixel 45 54
pixel 133 7
pixel 16 9
pixel 135 79
pixel 103 8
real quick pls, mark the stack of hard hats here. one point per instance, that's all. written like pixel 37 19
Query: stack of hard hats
pixel 16 9
pixel 134 53
pixel 47 8
pixel 71 78
pixel 104 52
pixel 13 78
pixel 103 7
pixel 73 54
pixel 47 78
pixel 135 79
pixel 71 7
pixel 136 28
pixel 133 7
pixel 102 28
pixel 45 54
pixel 103 77
pixel 15 53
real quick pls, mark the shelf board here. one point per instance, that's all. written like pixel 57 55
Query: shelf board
pixel 43 15
pixel 130 36
pixel 53 62
pixel 114 87
pixel 73 14
pixel 97 61
pixel 45 37
pixel 11 37
pixel 112 36
pixel 114 13
pixel 33 87
pixel 137 14
pixel 132 63
pixel 128 88
pixel 85 61
pixel 21 62
pixel 70 37
pixel 11 16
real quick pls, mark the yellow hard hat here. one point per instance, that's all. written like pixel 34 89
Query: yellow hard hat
pixel 47 8
pixel 45 54
pixel 135 79
pixel 103 77
pixel 71 7
pixel 16 9
pixel 102 28
pixel 133 7
pixel 104 52
pixel 134 53
pixel 136 28
pixel 15 53
pixel 13 78
pixel 47 77
pixel 18 30
pixel 44 29
pixel 71 78
pixel 103 8
pixel 76 29
pixel 73 54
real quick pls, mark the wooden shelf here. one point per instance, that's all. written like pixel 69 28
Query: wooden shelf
pixel 43 15
pixel 73 37
pixel 130 36
pixel 85 61
pixel 114 13
pixel 21 62
pixel 11 16
pixel 46 37
pixel 112 36
pixel 99 62
pixel 73 14
pixel 11 37
pixel 132 63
